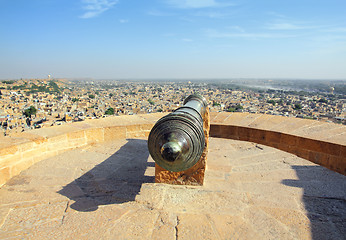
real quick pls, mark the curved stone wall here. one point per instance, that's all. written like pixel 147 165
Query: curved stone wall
pixel 322 143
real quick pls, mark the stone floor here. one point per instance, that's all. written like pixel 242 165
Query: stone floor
pixel 106 191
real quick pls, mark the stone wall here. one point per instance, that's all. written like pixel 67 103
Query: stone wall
pixel 319 142
pixel 322 143
pixel 18 152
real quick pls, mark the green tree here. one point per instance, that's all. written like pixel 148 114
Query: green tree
pixel 216 104
pixel 75 100
pixel 110 111
pixel 322 100
pixel 272 102
pixel 297 106
pixel 151 101
pixel 91 96
pixel 30 111
pixel 230 109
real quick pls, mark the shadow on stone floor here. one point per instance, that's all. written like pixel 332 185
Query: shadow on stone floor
pixel 116 180
pixel 324 200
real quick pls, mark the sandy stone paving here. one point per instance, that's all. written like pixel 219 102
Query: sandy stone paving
pixel 106 191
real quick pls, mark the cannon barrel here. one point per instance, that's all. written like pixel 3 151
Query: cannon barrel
pixel 176 142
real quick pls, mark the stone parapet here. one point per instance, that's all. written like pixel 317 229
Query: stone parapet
pixel 319 142
pixel 19 151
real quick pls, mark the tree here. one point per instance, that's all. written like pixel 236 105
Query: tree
pixel 230 109
pixel 30 111
pixel 75 100
pixel 110 111
pixel 297 106
pixel 322 100
pixel 215 104
pixel 151 101
pixel 91 96
pixel 272 102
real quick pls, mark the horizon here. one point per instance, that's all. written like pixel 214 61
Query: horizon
pixel 173 39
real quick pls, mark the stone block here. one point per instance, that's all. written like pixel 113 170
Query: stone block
pixel 10 159
pixel 76 135
pixel 289 139
pixel 230 132
pixel 94 135
pixel 114 133
pixel 192 176
pixel 78 142
pixel 21 166
pixel 146 133
pixel 34 152
pixel 221 117
pixel 57 145
pixel 133 128
pixel 237 119
pixel 319 158
pixel 331 148
pixel 274 137
pixel 342 150
pixel 26 146
pixel 337 164
pixel 215 130
pixel 310 144
pixel 244 133
pixel 139 134
pixel 257 135
pixel 60 138
pixel 146 127
pixel 5 175
pixel 8 150
pixel 300 152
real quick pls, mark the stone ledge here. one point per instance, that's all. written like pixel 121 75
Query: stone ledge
pixel 297 136
pixel 18 152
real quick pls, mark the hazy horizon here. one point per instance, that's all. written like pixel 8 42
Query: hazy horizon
pixel 173 39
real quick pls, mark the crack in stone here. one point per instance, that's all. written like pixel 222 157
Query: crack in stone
pixel 176 228
pixel 63 217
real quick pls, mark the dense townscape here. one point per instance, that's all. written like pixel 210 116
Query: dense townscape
pixel 34 103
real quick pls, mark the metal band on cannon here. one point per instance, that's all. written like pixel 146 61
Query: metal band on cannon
pixel 177 141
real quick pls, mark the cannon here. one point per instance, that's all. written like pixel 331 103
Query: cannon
pixel 177 140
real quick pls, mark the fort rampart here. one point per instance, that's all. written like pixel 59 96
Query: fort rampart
pixel 319 142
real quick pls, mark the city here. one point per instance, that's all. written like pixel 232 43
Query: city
pixel 35 103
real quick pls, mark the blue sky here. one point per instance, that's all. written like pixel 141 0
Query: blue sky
pixel 114 39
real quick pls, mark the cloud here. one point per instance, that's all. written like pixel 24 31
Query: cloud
pixel 288 26
pixel 196 3
pixel 217 34
pixel 123 20
pixel 187 40
pixel 94 8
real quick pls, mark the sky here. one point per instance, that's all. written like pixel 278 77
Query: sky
pixel 180 39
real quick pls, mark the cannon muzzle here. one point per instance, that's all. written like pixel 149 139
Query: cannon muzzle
pixel 176 142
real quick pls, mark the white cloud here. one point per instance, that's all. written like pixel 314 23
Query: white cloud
pixel 196 3
pixel 288 26
pixel 123 20
pixel 94 8
pixel 217 34
pixel 187 40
